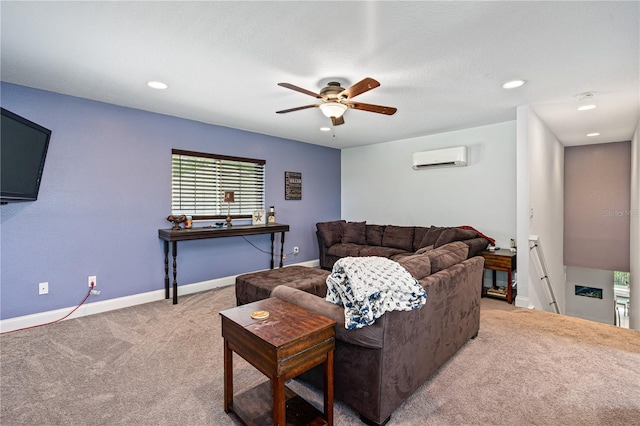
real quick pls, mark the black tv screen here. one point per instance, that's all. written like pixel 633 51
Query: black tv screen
pixel 23 150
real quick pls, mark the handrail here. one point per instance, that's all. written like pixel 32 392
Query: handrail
pixel 536 250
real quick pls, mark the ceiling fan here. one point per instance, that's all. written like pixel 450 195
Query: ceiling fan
pixel 336 100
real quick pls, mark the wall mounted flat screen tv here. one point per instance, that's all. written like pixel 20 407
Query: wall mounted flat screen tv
pixel 23 150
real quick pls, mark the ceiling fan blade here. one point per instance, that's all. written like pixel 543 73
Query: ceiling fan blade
pixel 296 109
pixel 360 87
pixel 372 108
pixel 300 89
pixel 337 120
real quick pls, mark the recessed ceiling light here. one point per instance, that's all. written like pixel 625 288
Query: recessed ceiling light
pixel 157 85
pixel 513 84
pixel 593 134
pixel 325 129
pixel 586 107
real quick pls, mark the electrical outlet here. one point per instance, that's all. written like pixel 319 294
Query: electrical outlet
pixel 296 250
pixel 92 279
pixel 43 288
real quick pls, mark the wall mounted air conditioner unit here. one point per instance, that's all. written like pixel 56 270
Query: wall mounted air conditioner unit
pixel 448 157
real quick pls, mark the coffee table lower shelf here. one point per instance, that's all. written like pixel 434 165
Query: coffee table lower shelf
pixel 255 407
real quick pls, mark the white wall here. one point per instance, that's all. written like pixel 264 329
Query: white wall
pixel 634 302
pixel 379 185
pixel 522 205
pixel 593 309
pixel 540 210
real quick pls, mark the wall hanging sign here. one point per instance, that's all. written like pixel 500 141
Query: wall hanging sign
pixel 292 185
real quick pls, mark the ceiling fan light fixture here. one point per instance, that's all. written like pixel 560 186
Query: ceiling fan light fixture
pixel 333 109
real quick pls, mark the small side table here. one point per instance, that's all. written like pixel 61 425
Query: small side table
pixel 500 260
pixel 289 342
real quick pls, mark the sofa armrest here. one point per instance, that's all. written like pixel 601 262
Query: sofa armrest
pixel 368 337
pixel 476 245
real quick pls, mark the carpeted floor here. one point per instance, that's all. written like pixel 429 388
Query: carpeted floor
pixel 160 364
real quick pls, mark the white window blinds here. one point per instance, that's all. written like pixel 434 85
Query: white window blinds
pixel 199 180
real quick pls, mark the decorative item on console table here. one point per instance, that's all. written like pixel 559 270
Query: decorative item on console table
pixel 229 197
pixel 258 217
pixel 272 214
pixel 177 220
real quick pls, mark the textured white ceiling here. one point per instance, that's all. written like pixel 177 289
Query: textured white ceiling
pixel 440 63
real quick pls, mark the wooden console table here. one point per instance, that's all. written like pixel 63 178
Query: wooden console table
pixel 173 236
pixel 289 342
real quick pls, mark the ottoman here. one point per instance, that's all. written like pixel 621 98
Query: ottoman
pixel 258 285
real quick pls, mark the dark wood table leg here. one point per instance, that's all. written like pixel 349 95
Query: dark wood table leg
pixel 272 238
pixel 509 287
pixel 328 388
pixel 228 378
pixel 166 269
pixel 281 248
pixel 174 252
pixel 279 402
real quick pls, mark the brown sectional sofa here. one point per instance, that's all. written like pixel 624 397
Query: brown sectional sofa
pixel 376 368
pixel 337 239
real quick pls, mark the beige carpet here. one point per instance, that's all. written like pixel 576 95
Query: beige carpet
pixel 160 364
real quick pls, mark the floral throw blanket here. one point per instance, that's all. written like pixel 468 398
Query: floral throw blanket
pixel 367 287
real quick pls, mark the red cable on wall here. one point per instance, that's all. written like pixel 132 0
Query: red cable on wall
pixel 56 321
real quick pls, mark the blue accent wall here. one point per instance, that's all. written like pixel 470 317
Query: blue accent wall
pixel 105 193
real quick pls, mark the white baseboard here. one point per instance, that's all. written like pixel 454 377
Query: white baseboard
pixel 92 308
pixel 522 302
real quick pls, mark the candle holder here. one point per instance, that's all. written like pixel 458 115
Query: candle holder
pixel 229 197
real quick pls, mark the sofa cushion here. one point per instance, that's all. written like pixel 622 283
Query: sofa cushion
pixel 388 252
pixel 399 237
pixel 354 232
pixel 418 235
pixel 330 232
pixel 476 245
pixel 424 249
pixel 447 255
pixel 431 236
pixel 453 234
pixel 418 265
pixel 402 255
pixel 344 250
pixel 374 235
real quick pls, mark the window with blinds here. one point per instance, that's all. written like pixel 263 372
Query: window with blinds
pixel 199 180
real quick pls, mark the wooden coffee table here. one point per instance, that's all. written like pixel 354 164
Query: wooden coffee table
pixel 289 342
